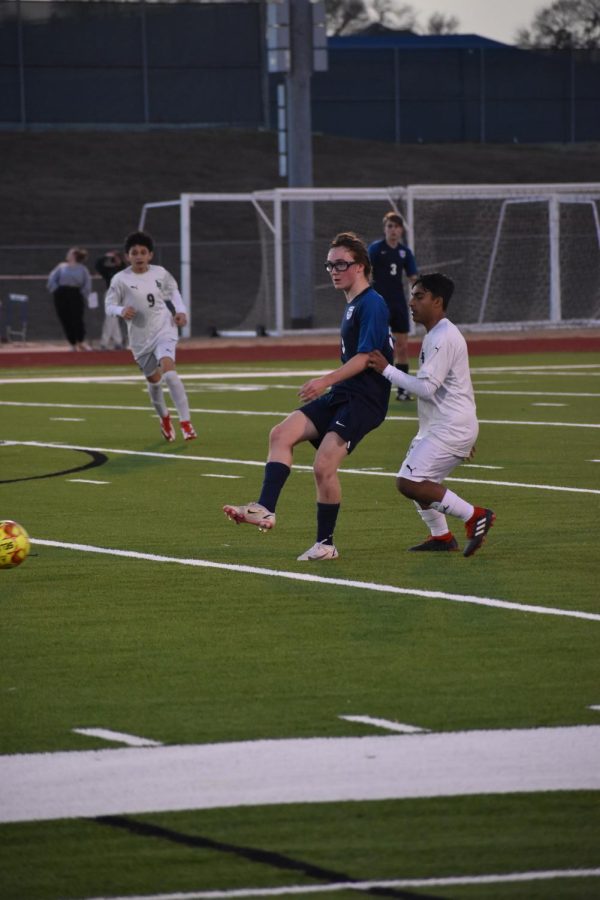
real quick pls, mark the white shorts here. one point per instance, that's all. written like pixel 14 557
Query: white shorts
pixel 149 362
pixel 427 461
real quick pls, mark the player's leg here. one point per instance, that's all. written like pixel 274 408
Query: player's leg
pixel 176 390
pixel 399 325
pixel 282 440
pixel 148 363
pixel 348 425
pixel 420 479
pixel 332 451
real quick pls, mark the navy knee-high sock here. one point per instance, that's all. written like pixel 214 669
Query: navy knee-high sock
pixel 327 514
pixel 276 475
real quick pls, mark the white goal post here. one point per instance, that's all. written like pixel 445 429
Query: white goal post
pixel 520 255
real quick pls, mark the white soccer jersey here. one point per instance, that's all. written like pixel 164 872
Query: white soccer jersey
pixel 448 416
pixel 148 293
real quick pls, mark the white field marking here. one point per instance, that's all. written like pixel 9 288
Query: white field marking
pixel 318 579
pixel 595 708
pixel 146 409
pixel 214 475
pixel 535 369
pixel 118 737
pixel 64 419
pixel 473 465
pixel 231 388
pixel 506 422
pixel 134 780
pixel 333 887
pixel 297 468
pixel 549 404
pixel 539 393
pixel 248 373
pixel 87 481
pixel 279 414
pixel 388 724
pixel 192 376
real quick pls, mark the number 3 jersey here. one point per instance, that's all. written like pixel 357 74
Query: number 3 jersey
pixel 155 297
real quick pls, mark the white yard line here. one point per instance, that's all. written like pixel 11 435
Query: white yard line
pixel 281 414
pixel 86 481
pixel 133 780
pixel 536 393
pixel 249 373
pixel 298 468
pixel 388 724
pixel 319 579
pixel 333 887
pixel 118 737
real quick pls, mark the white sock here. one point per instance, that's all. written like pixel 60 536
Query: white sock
pixel 454 505
pixel 177 392
pixel 158 401
pixel 435 521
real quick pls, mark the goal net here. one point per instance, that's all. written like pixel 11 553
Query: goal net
pixel 253 263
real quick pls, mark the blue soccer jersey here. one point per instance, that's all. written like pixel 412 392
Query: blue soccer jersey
pixel 388 264
pixel 365 327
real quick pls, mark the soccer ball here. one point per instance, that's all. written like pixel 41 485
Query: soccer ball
pixel 14 544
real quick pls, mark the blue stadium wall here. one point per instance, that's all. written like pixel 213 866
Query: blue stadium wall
pixel 109 64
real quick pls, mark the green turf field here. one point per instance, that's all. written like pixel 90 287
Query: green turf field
pixel 143 611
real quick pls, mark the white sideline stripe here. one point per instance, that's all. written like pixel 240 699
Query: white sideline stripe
pixel 319 579
pixel 507 422
pixel 215 475
pixel 192 376
pixel 65 419
pixel 549 404
pixel 86 481
pixel 332 887
pixel 248 373
pixel 282 415
pixel 537 393
pixel 297 467
pixel 595 708
pixel 268 772
pixel 388 724
pixel 117 736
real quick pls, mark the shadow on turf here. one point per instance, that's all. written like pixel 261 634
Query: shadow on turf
pixel 267 857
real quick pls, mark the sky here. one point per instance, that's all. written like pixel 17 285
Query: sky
pixel 496 19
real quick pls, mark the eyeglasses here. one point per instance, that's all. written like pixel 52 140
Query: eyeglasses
pixel 340 265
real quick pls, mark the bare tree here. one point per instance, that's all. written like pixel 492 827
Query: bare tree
pixel 563 25
pixel 439 23
pixel 354 16
pixel 395 16
pixel 347 16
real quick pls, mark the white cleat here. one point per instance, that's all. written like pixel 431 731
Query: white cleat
pixel 252 514
pixel 320 550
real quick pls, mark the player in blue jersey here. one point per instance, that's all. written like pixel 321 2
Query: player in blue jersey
pixel 335 421
pixel 390 257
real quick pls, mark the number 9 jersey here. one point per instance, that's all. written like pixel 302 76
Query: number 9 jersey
pixel 155 297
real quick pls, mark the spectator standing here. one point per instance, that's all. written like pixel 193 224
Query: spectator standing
pixel 390 257
pixel 112 333
pixel 70 284
pixel 148 299
pixel 448 425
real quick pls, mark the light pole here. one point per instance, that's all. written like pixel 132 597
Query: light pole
pixel 296 44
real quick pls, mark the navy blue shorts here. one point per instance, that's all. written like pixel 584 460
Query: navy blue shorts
pixel 398 317
pixel 346 414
